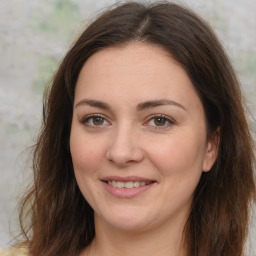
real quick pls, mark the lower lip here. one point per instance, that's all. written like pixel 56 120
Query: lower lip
pixel 126 192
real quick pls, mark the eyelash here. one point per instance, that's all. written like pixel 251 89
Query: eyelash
pixel 86 120
pixel 165 118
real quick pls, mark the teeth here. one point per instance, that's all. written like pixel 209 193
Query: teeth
pixel 136 184
pixel 120 184
pixel 128 184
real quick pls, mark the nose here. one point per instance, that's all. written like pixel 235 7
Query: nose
pixel 124 148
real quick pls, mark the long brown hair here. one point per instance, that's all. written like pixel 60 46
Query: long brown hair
pixel 62 221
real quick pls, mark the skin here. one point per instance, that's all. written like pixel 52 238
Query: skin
pixel 128 140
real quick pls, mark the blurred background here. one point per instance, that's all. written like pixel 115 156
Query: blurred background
pixel 34 36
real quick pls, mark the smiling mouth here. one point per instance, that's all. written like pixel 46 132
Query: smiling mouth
pixel 127 187
pixel 128 184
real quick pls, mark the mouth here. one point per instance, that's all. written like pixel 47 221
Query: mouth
pixel 128 184
pixel 127 187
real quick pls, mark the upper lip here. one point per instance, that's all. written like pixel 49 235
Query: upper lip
pixel 127 178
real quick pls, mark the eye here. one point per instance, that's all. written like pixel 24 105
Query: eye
pixel 160 121
pixel 95 120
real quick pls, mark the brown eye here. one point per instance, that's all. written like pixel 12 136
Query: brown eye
pixel 160 121
pixel 95 121
pixel 98 120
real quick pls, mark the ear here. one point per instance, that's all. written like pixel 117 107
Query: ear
pixel 211 150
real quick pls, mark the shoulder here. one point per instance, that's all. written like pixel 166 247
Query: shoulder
pixel 15 251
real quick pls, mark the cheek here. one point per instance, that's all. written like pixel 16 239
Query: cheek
pixel 86 153
pixel 178 155
pixel 87 157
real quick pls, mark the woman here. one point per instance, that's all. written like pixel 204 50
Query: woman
pixel 145 148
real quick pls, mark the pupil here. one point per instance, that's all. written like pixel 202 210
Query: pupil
pixel 160 121
pixel 97 120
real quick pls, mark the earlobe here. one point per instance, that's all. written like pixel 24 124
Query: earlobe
pixel 211 151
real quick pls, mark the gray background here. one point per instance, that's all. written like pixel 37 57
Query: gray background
pixel 35 34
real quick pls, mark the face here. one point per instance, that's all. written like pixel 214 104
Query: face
pixel 138 137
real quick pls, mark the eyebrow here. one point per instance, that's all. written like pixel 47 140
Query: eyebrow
pixel 93 103
pixel 140 107
pixel 157 103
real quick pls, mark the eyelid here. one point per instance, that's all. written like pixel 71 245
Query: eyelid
pixel 170 121
pixel 87 117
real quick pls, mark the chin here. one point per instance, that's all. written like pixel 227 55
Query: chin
pixel 130 221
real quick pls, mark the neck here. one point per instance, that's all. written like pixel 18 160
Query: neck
pixel 161 241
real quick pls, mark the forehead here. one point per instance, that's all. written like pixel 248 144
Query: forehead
pixel 134 71
pixel 134 58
